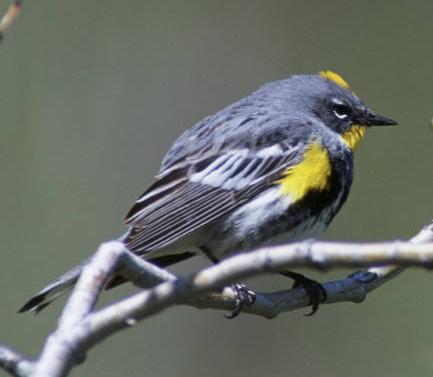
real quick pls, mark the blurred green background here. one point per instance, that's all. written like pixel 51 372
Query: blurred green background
pixel 93 93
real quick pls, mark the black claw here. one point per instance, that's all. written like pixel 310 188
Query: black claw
pixel 317 294
pixel 314 289
pixel 243 297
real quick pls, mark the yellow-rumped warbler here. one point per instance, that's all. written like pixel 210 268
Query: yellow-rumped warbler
pixel 278 162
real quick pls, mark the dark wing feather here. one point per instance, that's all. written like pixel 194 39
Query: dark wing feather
pixel 187 197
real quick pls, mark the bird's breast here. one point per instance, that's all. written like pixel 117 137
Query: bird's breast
pixel 300 204
pixel 313 173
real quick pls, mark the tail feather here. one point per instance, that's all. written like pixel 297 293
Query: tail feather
pixel 53 291
pixel 43 299
pixel 67 281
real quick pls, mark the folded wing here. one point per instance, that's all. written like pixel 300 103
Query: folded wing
pixel 194 193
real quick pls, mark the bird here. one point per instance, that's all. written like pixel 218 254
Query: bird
pixel 275 166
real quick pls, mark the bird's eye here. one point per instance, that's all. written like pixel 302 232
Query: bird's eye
pixel 341 111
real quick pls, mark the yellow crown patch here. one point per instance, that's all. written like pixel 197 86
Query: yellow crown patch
pixel 335 77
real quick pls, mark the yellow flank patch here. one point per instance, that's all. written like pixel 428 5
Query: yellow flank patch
pixel 335 77
pixel 312 173
pixel 354 136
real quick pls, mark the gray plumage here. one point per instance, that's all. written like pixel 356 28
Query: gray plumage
pixel 216 190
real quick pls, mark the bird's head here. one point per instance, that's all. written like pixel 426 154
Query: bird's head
pixel 328 96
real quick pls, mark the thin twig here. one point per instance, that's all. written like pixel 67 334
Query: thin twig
pixel 9 17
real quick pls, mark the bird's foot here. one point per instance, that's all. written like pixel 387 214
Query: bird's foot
pixel 314 289
pixel 243 297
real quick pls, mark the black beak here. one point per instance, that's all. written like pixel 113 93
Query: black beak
pixel 378 120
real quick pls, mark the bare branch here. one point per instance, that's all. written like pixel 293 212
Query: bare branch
pixel 14 363
pixel 59 354
pixel 80 328
pixel 353 288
